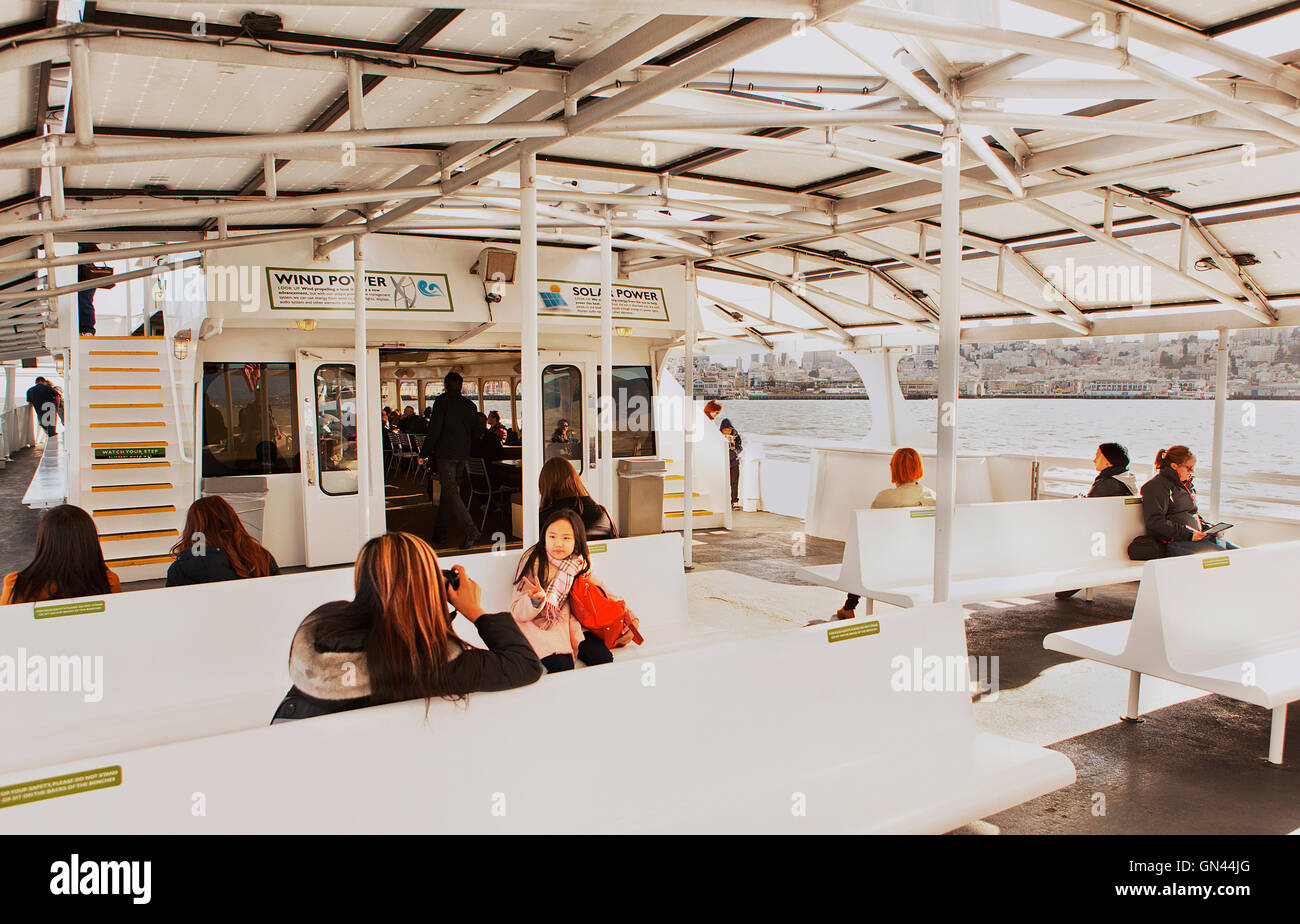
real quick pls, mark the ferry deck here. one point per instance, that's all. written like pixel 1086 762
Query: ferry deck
pixel 863 177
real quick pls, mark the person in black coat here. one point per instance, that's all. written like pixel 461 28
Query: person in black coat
pixel 1169 506
pixel 394 641
pixel 215 546
pixel 453 429
pixel 561 488
pixel 44 399
pixel 1113 477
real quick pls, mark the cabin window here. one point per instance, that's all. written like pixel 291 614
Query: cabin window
pixel 336 428
pixel 250 421
pixel 634 422
pixel 562 413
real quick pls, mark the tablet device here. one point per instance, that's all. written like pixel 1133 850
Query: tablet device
pixel 1216 529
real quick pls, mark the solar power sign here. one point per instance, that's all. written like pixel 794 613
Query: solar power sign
pixel 562 298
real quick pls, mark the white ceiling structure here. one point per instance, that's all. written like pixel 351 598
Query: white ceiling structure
pixel 1144 157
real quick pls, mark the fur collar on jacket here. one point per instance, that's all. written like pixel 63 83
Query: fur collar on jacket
pixel 334 674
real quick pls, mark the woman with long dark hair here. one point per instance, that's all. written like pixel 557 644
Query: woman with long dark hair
pixel 394 640
pixel 68 561
pixel 215 546
pixel 561 488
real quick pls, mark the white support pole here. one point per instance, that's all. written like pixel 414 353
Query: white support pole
pixel 945 483
pixel 608 410
pixel 690 303
pixel 1276 735
pixel 268 176
pixel 1134 689
pixel 1220 415
pixel 83 125
pixel 356 119
pixel 532 448
pixel 361 395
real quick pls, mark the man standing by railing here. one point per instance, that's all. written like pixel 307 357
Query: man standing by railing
pixel 45 399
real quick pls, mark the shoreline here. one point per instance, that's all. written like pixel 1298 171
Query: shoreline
pixel 817 397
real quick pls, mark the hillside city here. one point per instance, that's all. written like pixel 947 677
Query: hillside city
pixel 1262 364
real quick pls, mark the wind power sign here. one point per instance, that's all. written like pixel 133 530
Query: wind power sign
pixel 559 297
pixel 290 289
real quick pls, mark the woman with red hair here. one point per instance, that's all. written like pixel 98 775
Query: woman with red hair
pixel 906 472
pixel 215 546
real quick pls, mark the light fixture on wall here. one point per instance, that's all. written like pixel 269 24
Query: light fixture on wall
pixel 306 324
pixel 58 363
pixel 181 344
pixel 623 331
pixel 496 267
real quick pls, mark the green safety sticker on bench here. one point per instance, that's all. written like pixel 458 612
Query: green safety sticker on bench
pixel 1218 561
pixel 137 452
pixel 922 513
pixel 595 547
pixel 1132 500
pixel 844 633
pixel 68 609
pixel 66 785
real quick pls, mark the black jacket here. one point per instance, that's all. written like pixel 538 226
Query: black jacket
pixel 41 395
pixel 452 428
pixel 595 518
pixel 1107 484
pixel 412 423
pixel 214 565
pixel 1169 507
pixel 329 673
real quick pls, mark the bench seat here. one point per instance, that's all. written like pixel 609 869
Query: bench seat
pixel 703 738
pixel 998 550
pixel 1223 622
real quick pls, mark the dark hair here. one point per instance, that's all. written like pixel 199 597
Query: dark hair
pixel 535 560
pixel 401 603
pixel 496 414
pixel 452 381
pixel 1174 455
pixel 558 480
pixel 220 527
pixel 712 409
pixel 68 560
pixel 1115 454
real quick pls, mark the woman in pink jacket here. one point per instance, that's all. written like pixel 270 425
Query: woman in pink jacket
pixel 541 601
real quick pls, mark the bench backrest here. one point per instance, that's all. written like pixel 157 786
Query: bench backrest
pixel 1206 611
pixel 843 481
pixel 732 730
pixel 896 547
pixel 168 649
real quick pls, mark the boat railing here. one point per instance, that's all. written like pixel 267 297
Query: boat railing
pixel 17 429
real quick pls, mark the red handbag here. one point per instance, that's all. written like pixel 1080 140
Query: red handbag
pixel 597 611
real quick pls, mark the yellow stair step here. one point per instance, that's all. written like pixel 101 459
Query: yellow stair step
pixel 673 477
pixel 125 387
pixel 681 494
pixel 694 513
pixel 159 486
pixel 112 465
pixel 158 404
pixel 123 368
pixel 120 337
pixel 142 534
pixel 123 353
pixel 131 562
pixel 128 511
pixel 150 444
pixel 126 423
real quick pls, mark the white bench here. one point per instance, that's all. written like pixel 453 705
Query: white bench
pixel 49 485
pixel 998 550
pixel 785 733
pixel 1223 622
pixel 186 662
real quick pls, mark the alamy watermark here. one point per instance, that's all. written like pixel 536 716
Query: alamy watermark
pixel 1107 284
pixel 919 672
pixel 33 673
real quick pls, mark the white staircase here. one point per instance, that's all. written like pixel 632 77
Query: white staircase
pixel 705 512
pixel 133 479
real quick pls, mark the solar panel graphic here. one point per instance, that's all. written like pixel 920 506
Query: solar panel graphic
pixel 552 300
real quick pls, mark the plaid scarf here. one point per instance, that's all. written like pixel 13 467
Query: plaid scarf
pixel 557 591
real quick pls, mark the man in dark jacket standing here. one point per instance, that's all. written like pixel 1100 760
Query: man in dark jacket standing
pixel 449 446
pixel 86 297
pixel 44 399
